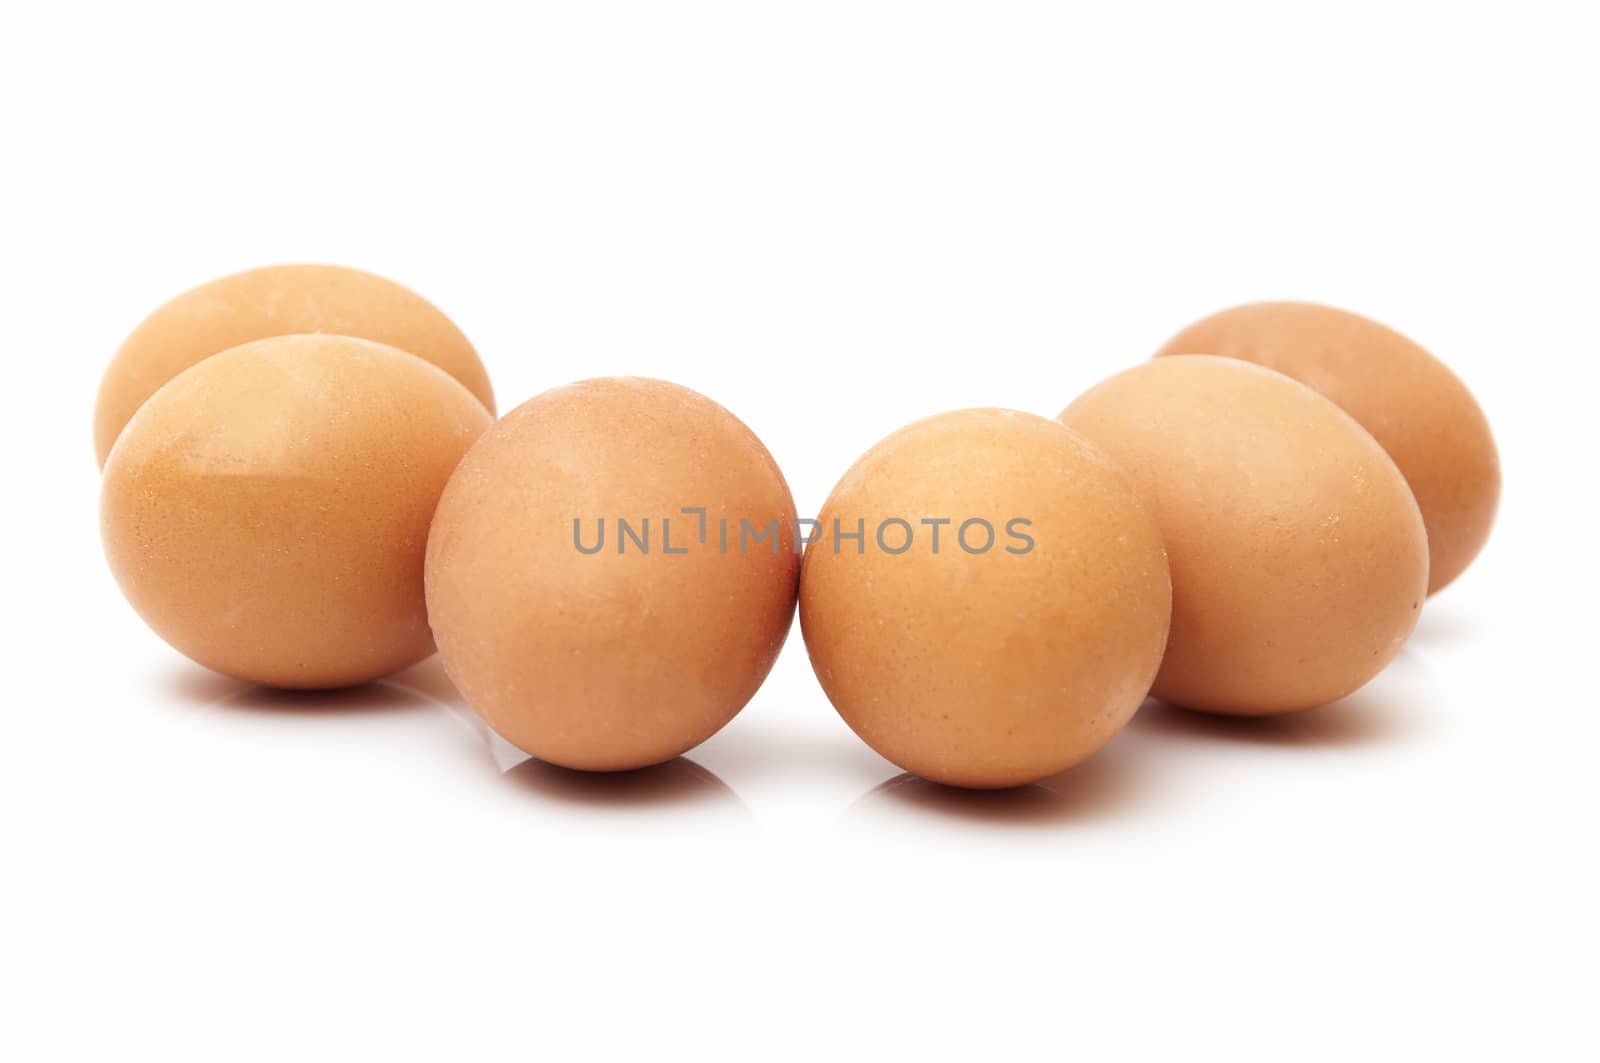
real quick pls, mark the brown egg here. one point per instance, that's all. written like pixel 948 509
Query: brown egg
pixel 1299 560
pixel 1003 611
pixel 1411 403
pixel 594 581
pixel 276 301
pixel 267 511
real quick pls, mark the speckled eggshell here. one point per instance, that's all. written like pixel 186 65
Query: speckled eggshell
pixel 1410 401
pixel 985 668
pixel 1299 560
pixel 620 658
pixel 276 301
pixel 266 512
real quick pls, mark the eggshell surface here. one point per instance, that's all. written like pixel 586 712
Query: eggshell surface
pixel 1299 560
pixel 985 667
pixel 276 301
pixel 622 652
pixel 266 512
pixel 1414 406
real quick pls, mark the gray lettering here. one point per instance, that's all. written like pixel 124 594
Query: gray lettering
pixel 577 539
pixel 1024 536
pixel 961 535
pixel 666 538
pixel 626 532
pixel 903 546
pixel 701 510
pixel 859 535
pixel 803 541
pixel 746 529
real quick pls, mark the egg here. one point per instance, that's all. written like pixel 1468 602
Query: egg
pixel 986 599
pixel 1299 560
pixel 276 301
pixel 266 511
pixel 1411 402
pixel 611 572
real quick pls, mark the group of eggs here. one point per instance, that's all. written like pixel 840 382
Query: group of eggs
pixel 304 486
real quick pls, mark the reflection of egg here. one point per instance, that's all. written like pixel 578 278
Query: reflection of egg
pixel 588 645
pixel 1411 403
pixel 267 510
pixel 1298 556
pixel 1003 611
pixel 276 301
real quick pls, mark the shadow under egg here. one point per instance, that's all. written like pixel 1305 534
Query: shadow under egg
pixel 677 782
pixel 1367 717
pixel 428 678
pixel 198 688
pixel 1099 786
pixel 1443 625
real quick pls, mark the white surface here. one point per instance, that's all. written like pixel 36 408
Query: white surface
pixel 834 219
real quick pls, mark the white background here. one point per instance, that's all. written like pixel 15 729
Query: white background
pixel 833 219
